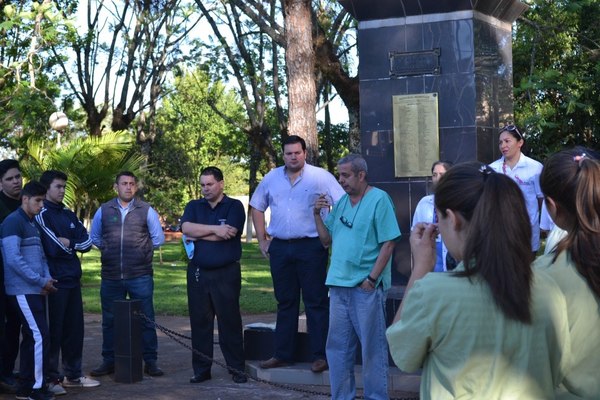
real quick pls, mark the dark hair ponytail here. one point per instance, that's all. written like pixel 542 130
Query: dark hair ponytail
pixel 572 179
pixel 498 240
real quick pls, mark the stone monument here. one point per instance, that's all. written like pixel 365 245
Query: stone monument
pixel 435 83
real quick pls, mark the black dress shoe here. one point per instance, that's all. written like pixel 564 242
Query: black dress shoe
pixel 239 378
pixel 152 369
pixel 104 369
pixel 200 378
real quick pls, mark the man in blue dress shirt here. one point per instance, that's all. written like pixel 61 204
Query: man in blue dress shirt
pixel 291 243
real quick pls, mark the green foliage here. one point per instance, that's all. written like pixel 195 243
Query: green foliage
pixel 24 113
pixel 28 91
pixel 170 295
pixel 191 136
pixel 556 59
pixel 333 144
pixel 91 163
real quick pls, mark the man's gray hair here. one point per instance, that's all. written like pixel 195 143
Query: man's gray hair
pixel 357 163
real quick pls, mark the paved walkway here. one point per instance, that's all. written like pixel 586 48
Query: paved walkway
pixel 175 360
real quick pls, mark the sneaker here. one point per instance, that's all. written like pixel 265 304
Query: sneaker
pixel 22 394
pixel 82 381
pixel 40 394
pixel 56 389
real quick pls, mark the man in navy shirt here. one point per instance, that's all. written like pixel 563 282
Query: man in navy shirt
pixel 215 224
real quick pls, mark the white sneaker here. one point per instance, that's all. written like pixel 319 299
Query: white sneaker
pixel 82 381
pixel 56 389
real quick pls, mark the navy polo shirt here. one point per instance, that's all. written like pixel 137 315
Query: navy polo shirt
pixel 216 254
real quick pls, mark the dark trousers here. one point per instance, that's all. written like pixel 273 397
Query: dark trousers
pixel 299 267
pixel 34 346
pixel 3 301
pixel 11 330
pixel 66 332
pixel 215 292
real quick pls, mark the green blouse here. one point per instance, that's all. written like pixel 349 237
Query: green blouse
pixel 583 313
pixel 451 327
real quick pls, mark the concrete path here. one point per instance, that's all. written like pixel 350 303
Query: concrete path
pixel 175 360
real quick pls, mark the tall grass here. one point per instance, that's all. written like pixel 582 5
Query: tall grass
pixel 170 296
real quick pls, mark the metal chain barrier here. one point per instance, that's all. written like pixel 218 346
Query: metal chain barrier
pixel 177 337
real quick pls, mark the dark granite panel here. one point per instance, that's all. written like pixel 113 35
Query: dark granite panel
pixel 431 83
pixel 414 37
pixel 400 194
pixel 375 46
pixel 493 75
pixel 455 39
pixel 505 10
pixel 378 150
pixel 457 100
pixel 494 101
pixel 365 10
pixel 415 85
pixel 493 50
pixel 487 143
pixel 376 103
pixel 458 144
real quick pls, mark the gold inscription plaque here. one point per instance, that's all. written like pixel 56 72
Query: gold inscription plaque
pixel 416 138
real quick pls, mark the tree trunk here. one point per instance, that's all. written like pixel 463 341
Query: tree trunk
pixel 300 62
pixel 327 145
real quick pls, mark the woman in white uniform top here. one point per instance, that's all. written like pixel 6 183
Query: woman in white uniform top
pixel 425 212
pixel 525 172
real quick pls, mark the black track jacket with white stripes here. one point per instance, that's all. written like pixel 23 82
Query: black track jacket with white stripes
pixel 55 220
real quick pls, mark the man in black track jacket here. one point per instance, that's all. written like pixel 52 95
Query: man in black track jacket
pixel 63 235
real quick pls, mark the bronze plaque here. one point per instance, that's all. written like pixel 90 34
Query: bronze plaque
pixel 416 134
pixel 415 63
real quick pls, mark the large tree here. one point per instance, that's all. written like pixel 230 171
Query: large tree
pixel 300 66
pixel 251 57
pixel 332 42
pixel 122 55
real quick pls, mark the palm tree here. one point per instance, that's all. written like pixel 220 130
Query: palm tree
pixel 91 163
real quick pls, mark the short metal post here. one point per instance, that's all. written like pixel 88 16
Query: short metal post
pixel 128 341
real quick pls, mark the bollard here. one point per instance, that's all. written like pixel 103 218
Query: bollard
pixel 128 341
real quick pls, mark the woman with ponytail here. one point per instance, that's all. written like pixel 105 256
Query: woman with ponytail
pixel 498 331
pixel 571 183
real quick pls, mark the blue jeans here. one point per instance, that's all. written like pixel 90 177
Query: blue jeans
pixel 357 315
pixel 140 288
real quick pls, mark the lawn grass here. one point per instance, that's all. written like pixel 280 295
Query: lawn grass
pixel 170 296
